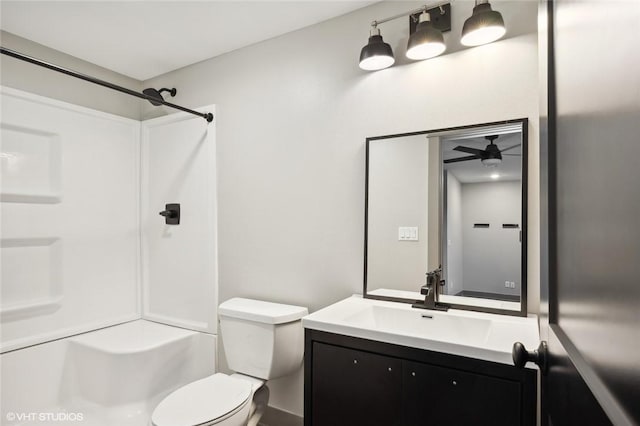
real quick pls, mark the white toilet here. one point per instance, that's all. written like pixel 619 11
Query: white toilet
pixel 262 341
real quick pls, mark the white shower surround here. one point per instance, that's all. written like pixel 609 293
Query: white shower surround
pixel 180 267
pixel 71 245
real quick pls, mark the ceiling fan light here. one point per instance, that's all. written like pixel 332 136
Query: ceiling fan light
pixel 484 26
pixel 377 54
pixel 491 162
pixel 426 41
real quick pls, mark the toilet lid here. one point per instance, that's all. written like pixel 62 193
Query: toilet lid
pixel 202 401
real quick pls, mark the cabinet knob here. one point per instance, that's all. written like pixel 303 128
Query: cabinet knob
pixel 413 373
pixel 454 383
pixel 355 361
pixel 390 369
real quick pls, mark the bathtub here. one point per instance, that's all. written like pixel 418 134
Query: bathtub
pixel 113 376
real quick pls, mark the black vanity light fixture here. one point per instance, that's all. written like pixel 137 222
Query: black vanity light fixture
pixel 377 54
pixel 484 26
pixel 426 27
pixel 426 41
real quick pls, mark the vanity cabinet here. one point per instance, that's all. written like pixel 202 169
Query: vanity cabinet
pixel 352 382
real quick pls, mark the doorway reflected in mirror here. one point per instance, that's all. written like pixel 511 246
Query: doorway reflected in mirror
pixel 482 214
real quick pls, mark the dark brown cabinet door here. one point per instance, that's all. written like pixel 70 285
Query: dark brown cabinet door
pixel 352 388
pixel 443 396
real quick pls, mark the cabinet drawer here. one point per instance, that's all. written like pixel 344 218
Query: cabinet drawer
pixel 445 396
pixel 352 387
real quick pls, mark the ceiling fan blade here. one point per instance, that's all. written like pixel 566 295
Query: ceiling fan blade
pixel 456 160
pixel 511 147
pixel 468 150
pixel 512 155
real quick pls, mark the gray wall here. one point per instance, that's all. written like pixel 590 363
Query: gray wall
pixel 293 115
pixel 34 79
pixel 491 255
pixel 454 264
pixel 398 193
pixel 433 205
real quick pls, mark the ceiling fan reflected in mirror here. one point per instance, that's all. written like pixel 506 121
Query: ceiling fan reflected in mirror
pixel 491 156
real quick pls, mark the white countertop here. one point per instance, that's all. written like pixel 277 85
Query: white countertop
pixel 477 335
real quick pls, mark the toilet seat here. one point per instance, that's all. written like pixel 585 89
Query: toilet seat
pixel 204 402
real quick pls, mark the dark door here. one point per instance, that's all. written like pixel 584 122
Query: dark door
pixel 590 216
pixel 353 387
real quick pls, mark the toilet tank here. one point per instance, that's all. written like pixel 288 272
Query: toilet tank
pixel 262 339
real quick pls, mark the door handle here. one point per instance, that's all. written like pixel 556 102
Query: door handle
pixel 539 356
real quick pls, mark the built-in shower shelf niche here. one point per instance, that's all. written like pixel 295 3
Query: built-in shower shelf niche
pixel 31 164
pixel 31 277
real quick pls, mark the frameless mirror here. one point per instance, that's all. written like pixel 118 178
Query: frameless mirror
pixel 451 198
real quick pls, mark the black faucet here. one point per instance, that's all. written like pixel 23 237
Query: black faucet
pixel 431 291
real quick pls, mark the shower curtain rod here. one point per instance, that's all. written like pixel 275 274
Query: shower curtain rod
pixel 207 115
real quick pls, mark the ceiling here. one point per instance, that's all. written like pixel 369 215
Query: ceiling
pixel 474 171
pixel 143 39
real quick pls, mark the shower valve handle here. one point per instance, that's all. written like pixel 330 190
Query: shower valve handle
pixel 171 214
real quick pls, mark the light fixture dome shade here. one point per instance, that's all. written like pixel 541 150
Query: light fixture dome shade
pixel 484 26
pixel 376 55
pixel 425 42
pixel 491 162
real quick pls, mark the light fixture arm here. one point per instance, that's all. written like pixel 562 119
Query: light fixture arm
pixel 423 8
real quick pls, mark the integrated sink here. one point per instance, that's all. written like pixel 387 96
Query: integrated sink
pixel 472 334
pixel 424 324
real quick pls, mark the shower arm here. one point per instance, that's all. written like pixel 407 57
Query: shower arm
pixel 172 92
pixel 17 55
